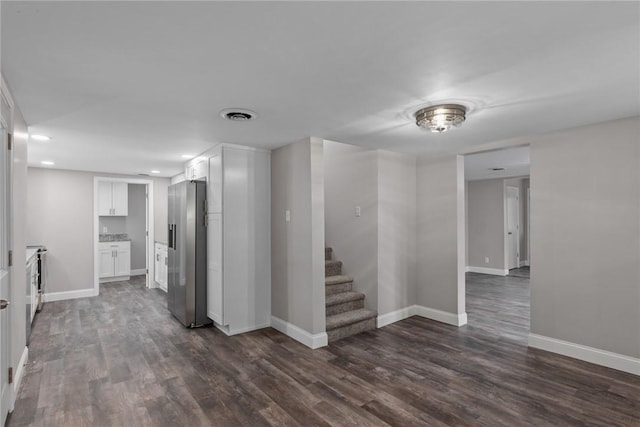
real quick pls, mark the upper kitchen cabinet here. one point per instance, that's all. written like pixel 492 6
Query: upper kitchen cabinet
pixel 197 169
pixel 113 198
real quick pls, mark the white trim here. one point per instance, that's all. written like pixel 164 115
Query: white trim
pixel 61 296
pixel 6 93
pixel 114 279
pixel 524 263
pixel 486 270
pixel 310 340
pixel 588 354
pixel 394 316
pixel 228 332
pixel 467 269
pixel 138 272
pixel 440 316
pixel 426 312
pixel 19 374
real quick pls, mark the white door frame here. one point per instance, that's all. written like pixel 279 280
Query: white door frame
pixel 6 244
pixel 150 282
pixel 506 229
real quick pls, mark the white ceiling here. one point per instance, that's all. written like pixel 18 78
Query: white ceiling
pixel 514 161
pixel 127 87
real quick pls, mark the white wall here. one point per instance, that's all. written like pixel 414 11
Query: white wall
pixel 351 179
pixel 297 247
pixel 485 225
pixel 585 236
pixel 60 216
pixel 396 231
pixel 440 249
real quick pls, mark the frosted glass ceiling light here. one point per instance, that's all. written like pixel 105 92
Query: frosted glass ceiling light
pixel 441 118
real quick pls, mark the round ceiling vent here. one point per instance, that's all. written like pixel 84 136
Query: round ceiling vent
pixel 238 114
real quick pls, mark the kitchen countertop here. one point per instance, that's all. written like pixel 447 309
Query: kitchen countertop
pixel 122 237
pixel 161 243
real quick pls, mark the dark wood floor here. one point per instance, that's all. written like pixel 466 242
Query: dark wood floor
pixel 121 359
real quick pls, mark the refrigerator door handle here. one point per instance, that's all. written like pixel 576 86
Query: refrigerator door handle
pixel 175 237
pixel 170 236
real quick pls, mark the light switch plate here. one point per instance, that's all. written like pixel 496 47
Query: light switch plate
pixel 358 211
pixel 287 215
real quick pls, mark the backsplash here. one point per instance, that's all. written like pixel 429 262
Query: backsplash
pixel 112 224
pixel 117 237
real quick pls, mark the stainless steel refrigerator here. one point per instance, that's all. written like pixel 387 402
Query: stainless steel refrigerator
pixel 187 268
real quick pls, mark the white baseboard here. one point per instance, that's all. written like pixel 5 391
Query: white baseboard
pixel 394 316
pixel 524 263
pixel 115 279
pixel 138 272
pixel 310 340
pixel 588 354
pixel 19 375
pixel 486 270
pixel 426 312
pixel 61 296
pixel 228 331
pixel 441 316
pixel 467 269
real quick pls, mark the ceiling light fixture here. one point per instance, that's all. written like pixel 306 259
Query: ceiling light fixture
pixel 40 138
pixel 47 163
pixel 187 156
pixel 441 118
pixel 155 171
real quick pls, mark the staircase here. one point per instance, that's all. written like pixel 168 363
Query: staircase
pixel 345 310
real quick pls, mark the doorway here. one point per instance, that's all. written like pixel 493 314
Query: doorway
pixel 123 207
pixel 512 228
pixel 496 280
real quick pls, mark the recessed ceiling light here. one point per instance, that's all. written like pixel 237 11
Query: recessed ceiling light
pixel 40 138
pixel 188 156
pixel 47 163
pixel 238 114
pixel 155 171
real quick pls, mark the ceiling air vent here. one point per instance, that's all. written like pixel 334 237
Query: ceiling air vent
pixel 238 114
pixel 496 169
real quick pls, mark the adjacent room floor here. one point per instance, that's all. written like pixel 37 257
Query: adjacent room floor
pixel 121 359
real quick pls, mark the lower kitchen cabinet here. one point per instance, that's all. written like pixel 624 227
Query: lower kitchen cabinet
pixel 161 262
pixel 115 261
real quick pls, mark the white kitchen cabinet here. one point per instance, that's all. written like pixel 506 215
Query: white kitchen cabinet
pixel 32 278
pixel 197 169
pixel 113 198
pixel 238 246
pixel 161 262
pixel 115 261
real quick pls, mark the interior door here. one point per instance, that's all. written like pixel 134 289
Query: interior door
pixel 513 227
pixel 5 227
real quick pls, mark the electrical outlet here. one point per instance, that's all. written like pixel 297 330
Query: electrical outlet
pixel 287 215
pixel 486 260
pixel 104 229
